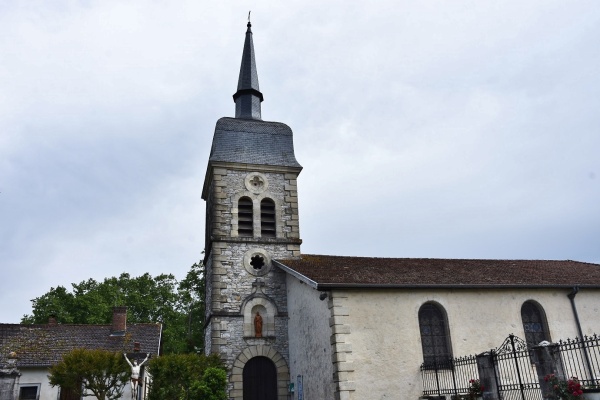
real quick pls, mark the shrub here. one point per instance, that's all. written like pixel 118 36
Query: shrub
pixel 187 376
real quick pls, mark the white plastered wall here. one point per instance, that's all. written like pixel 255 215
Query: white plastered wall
pixel 384 340
pixel 32 376
pixel 309 341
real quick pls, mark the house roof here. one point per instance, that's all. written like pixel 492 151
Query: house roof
pixel 44 345
pixel 327 272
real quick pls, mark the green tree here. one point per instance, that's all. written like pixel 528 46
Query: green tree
pixel 179 306
pixel 187 377
pixel 212 385
pixel 100 373
pixel 192 290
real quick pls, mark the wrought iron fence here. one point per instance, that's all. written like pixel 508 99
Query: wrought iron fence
pixel 450 377
pixel 515 374
pixel 581 358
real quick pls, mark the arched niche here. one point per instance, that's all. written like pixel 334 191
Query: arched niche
pixel 267 310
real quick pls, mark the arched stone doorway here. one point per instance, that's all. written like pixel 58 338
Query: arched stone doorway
pixel 260 379
pixel 238 372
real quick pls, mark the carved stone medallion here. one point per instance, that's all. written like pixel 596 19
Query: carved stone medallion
pixel 256 182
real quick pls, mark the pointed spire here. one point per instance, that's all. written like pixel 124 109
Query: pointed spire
pixel 248 96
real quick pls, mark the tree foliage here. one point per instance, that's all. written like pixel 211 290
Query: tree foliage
pixel 100 373
pixel 187 377
pixel 179 306
pixel 212 385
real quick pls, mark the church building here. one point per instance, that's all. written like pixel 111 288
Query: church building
pixel 314 327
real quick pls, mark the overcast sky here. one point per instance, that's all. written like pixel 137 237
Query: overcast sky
pixel 462 129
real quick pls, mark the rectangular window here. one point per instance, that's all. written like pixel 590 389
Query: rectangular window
pixel 29 392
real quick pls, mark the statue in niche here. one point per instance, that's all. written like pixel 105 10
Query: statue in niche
pixel 258 322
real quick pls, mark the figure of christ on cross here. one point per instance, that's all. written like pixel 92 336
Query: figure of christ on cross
pixel 135 373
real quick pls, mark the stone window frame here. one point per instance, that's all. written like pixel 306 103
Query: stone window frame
pixel 237 371
pixel 248 310
pixel 256 201
pixel 544 332
pixel 442 358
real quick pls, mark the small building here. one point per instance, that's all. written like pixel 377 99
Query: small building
pixel 39 346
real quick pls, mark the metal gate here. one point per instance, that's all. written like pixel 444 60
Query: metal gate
pixel 515 371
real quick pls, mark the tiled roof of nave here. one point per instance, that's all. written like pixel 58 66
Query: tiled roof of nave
pixel 427 272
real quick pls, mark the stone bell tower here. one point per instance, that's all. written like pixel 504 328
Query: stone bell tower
pixel 251 218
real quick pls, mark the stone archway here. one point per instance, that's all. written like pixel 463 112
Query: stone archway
pixel 281 367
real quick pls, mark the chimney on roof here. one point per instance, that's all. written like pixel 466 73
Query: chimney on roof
pixel 52 320
pixel 119 320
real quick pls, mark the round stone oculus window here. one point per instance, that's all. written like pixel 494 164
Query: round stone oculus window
pixel 257 262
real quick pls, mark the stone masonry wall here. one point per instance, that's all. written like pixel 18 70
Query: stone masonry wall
pixel 229 185
pixel 233 282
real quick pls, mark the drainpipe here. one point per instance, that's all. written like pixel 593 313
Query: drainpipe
pixel 571 297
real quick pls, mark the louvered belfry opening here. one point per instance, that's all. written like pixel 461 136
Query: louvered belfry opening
pixel 267 218
pixel 245 217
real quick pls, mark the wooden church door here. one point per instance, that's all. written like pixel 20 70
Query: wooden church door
pixel 260 379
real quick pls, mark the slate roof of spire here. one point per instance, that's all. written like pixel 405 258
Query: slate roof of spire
pixel 248 75
pixel 248 96
pixel 323 272
pixel 253 142
pixel 43 345
pixel 246 139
